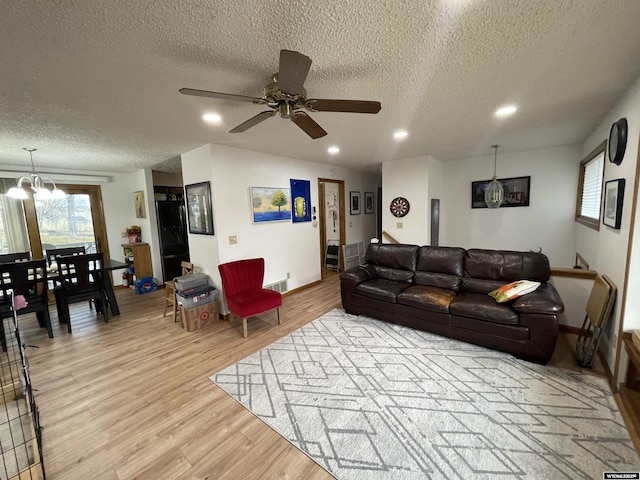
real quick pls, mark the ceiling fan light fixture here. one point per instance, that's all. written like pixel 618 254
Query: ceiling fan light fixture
pixel 36 183
pixel 333 150
pixel 400 135
pixel 506 111
pixel 494 194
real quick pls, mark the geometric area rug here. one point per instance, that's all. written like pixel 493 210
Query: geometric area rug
pixel 368 399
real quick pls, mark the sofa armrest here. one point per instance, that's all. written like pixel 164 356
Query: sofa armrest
pixel 358 274
pixel 544 300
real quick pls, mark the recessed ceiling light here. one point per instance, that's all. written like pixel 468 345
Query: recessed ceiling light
pixel 333 150
pixel 400 134
pixel 505 111
pixel 211 118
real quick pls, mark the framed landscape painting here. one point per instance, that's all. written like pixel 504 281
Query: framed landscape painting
pixel 270 204
pixel 516 192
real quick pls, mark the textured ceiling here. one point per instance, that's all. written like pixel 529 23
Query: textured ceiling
pixel 94 85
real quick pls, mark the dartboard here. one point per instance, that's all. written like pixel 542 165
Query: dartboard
pixel 399 206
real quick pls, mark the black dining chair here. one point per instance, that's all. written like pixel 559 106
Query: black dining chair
pixel 80 278
pixel 54 253
pixel 15 257
pixel 29 279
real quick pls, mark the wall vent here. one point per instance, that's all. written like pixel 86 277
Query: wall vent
pixel 280 286
pixel 353 254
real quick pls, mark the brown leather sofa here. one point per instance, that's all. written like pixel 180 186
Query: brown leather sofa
pixel 444 290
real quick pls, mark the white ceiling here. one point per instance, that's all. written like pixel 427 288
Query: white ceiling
pixel 93 85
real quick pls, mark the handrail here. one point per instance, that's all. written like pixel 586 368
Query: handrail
pixel 389 237
pixel 573 272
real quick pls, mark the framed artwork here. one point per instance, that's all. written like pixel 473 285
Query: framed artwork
pixel 301 194
pixel 199 209
pixel 354 203
pixel 270 204
pixel 368 202
pixel 138 202
pixel 613 197
pixel 516 192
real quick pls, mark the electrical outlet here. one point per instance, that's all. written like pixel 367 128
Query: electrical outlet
pixel 123 234
pixel 399 225
pixel 288 275
pixel 233 239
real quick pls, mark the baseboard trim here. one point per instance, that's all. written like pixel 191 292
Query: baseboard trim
pixel 571 329
pixel 303 287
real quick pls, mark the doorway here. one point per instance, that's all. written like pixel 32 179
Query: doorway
pixel 331 216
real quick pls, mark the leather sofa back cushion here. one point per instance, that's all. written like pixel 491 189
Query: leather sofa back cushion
pixel 479 285
pixel 506 266
pixel 442 280
pixel 441 260
pixel 398 256
pixel 395 274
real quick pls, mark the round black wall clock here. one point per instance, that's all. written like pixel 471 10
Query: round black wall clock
pixel 399 206
pixel 617 141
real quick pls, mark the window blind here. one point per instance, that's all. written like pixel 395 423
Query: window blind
pixel 592 187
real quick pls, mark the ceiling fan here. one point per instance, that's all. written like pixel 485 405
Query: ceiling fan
pixel 285 95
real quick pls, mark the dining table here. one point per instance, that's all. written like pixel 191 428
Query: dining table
pixel 109 265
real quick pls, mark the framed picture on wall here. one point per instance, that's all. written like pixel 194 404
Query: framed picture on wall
pixel 613 198
pixel 138 202
pixel 270 204
pixel 354 203
pixel 199 210
pixel 516 192
pixel 368 202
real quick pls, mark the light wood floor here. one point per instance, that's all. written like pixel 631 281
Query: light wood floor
pixel 131 399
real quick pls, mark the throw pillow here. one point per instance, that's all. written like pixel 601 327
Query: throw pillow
pixel 514 290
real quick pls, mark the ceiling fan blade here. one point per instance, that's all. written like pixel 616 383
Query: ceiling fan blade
pixel 308 124
pixel 294 67
pixel 253 121
pixel 352 106
pixel 222 96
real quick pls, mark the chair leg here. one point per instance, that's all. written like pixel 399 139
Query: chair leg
pixel 279 320
pixel 47 321
pixel 245 334
pixel 175 307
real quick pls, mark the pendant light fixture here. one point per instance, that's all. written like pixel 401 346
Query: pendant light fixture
pixel 37 183
pixel 494 194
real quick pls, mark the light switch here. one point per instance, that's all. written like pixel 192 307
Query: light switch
pixel 233 239
pixel 399 224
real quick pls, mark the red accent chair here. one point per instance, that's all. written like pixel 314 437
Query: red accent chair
pixel 242 286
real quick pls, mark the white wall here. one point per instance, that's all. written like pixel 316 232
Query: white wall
pixel 606 250
pixel 408 178
pixel 119 212
pixel 164 179
pixel 287 248
pixel 547 223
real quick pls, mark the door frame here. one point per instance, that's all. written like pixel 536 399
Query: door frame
pixel 97 216
pixel 323 219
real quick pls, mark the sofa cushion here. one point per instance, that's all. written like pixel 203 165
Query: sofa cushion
pixel 480 285
pixel 394 274
pixel 442 280
pixel 428 298
pixel 381 289
pixel 392 255
pixel 506 266
pixel 482 307
pixel 441 260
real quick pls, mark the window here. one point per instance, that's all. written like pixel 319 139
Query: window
pixel 590 188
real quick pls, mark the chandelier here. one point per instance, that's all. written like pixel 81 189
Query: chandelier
pixel 494 193
pixel 37 183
